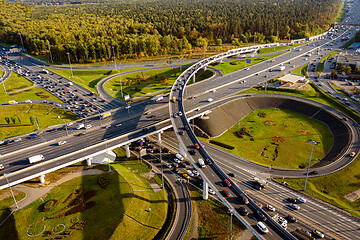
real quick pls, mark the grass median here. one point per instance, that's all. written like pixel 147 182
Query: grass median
pixel 20 119
pixel 320 66
pixel 19 88
pixel 278 48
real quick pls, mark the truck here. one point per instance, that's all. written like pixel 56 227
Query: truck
pixel 259 183
pixel 35 158
pixel 158 98
pixel 13 102
pixel 201 162
pixel 281 68
pixel 105 115
pixel 80 126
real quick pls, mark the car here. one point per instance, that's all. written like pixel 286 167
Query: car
pixel 301 200
pixel 180 113
pixel 168 165
pixel 209 162
pixel 247 68
pixel 226 193
pixel 190 173
pixel 177 160
pixel 175 165
pixel 210 100
pixel 88 126
pixel 227 182
pixel 231 174
pixel 108 126
pixel 282 220
pixel 80 134
pixel 196 173
pixel 318 234
pixel 260 216
pixel 118 125
pixel 283 225
pixel 186 176
pixel 261 226
pixel 306 232
pixel 313 172
pixel 61 143
pixel 270 208
pixel 2 167
pixel 291 219
pixel 196 146
pixel 17 140
pixel 192 152
pixel 243 211
pixel 352 154
pixel 294 206
pixel 212 192
pixel 186 127
pixel 176 170
pixel 128 107
pixel 175 115
pixel 52 130
pixel 291 200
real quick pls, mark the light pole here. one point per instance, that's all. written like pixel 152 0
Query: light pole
pixel 72 75
pixel 204 48
pixel 118 70
pixel 50 52
pixel 162 169
pixel 4 87
pixel 307 173
pixel 106 150
pixel 22 43
pixel 67 133
pixel 12 193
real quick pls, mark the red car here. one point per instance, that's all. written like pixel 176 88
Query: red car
pixel 226 193
pixel 197 146
pixel 227 182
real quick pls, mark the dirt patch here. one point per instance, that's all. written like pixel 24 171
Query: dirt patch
pixel 5 193
pixel 353 196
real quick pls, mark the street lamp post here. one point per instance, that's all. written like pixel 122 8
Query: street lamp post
pixel 67 133
pixel 307 172
pixel 72 75
pixel 162 169
pixel 180 66
pixel 12 193
pixel 231 214
pixel 50 52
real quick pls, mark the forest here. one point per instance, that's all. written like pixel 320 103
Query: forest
pixel 92 30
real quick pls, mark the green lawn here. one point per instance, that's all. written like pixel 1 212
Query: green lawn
pixel 43 112
pixel 301 70
pixel 86 79
pixel 18 89
pixel 141 83
pixel 211 213
pixel 1 72
pixel 341 13
pixel 227 67
pixel 320 66
pixel 278 48
pixel 119 211
pixel 263 144
pixel 332 188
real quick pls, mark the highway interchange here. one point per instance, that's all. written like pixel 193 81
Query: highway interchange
pixel 134 120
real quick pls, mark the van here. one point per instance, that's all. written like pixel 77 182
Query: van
pixel 261 226
pixel 179 156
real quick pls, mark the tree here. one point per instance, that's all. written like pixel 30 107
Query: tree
pixel 347 70
pixel 7 120
pixel 13 120
pixel 333 73
pixel 32 120
pixel 357 70
pixel 218 42
pixel 340 67
pixel 19 119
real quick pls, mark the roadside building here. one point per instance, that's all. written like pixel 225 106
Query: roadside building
pixel 348 59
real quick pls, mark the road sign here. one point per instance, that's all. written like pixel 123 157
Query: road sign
pixel 248 60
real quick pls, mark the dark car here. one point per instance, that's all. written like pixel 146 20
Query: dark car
pixel 291 200
pixel 176 170
pixel 260 216
pixel 181 132
pixel 231 174
pixel 186 127
pixel 313 172
pixel 208 161
pixel 192 152
pixel 80 134
pixel 291 219
pixel 165 150
pixel 243 211
pixel 32 136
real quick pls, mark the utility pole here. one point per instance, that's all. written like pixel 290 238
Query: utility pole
pixel 118 70
pixel 204 48
pixel 72 75
pixel 231 214
pixel 180 66
pixel 22 43
pixel 307 173
pixel 50 52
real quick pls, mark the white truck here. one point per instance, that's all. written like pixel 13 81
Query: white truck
pixel 158 98
pixel 80 126
pixel 201 162
pixel 69 84
pixel 36 158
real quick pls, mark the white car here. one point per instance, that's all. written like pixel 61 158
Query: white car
pixel 88 126
pixel 190 173
pixel 1 167
pixel 196 173
pixel 271 208
pixel 247 68
pixel 118 125
pixel 210 100
pixel 301 200
pixel 211 191
pixel 180 113
pixel 28 101
pixel 282 220
pixel 127 107
pixel 69 124
pixel 294 206
pixel 61 143
pixel 176 160
pixel 168 165
pixel 262 227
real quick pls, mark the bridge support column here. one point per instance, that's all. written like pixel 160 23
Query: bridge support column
pixel 88 161
pixel 205 68
pixel 42 178
pixel 194 78
pixel 182 151
pixel 127 148
pixel 159 137
pixel 205 190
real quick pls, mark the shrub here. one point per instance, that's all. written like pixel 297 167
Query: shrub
pixel 73 194
pixel 49 205
pixel 233 63
pixel 224 145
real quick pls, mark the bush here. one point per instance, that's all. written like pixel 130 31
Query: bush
pixel 234 63
pixel 72 195
pixel 49 205
pixel 224 145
